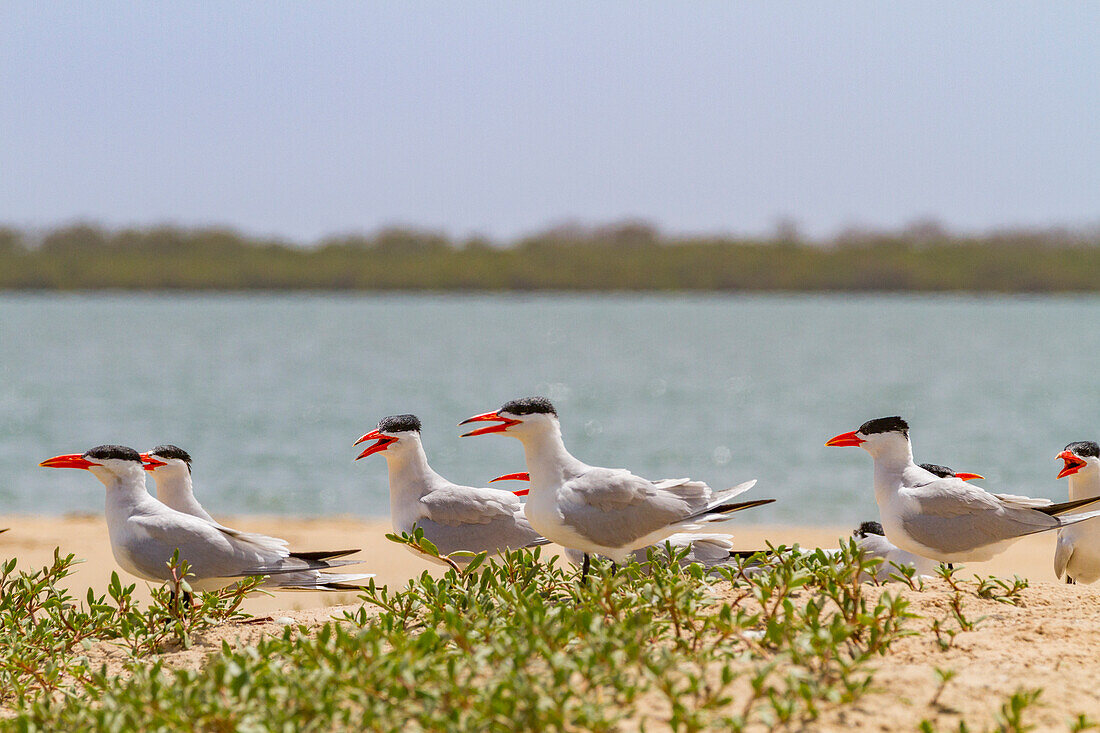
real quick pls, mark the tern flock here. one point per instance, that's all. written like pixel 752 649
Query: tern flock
pixel 928 514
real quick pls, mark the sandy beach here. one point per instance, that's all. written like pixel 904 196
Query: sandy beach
pixel 1048 641
pixel 32 539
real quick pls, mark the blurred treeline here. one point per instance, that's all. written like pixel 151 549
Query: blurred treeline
pixel 630 257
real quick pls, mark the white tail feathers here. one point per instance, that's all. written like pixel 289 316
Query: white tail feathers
pixel 724 495
pixel 317 581
pixel 1065 520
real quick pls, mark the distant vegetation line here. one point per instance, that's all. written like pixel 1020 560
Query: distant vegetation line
pixel 629 257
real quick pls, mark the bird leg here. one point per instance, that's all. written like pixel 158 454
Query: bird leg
pixel 584 567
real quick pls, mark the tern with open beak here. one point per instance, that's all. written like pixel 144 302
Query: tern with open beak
pixel 454 518
pixel 705 548
pixel 1077 555
pixel 604 511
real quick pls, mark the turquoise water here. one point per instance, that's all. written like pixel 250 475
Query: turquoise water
pixel 268 392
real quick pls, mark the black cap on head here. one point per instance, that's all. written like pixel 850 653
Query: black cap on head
pixel 529 406
pixel 1085 448
pixel 399 424
pixel 105 452
pixel 941 471
pixel 172 451
pixel 869 528
pixel 885 425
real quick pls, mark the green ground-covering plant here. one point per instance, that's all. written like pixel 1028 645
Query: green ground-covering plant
pixel 515 642
pixel 45 632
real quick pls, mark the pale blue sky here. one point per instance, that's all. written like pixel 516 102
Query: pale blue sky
pixel 301 119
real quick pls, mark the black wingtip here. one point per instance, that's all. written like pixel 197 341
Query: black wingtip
pixel 1066 506
pixel 746 554
pixel 323 554
pixel 738 506
pixel 346 586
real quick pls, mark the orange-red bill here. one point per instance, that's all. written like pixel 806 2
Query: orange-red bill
pixel 372 435
pixel 383 443
pixel 71 460
pixel 521 476
pixel 505 423
pixel 845 440
pixel 968 476
pixel 149 463
pixel 1073 463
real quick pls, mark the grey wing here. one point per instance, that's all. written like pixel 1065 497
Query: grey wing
pixel 1023 502
pixel 709 550
pixel 476 520
pixel 210 552
pixel 955 516
pixel 614 508
pixel 273 544
pixel 611 489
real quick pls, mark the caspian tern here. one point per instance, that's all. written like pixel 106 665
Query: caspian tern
pixel 144 532
pixel 872 539
pixel 708 549
pixel 170 467
pixel 454 518
pixel 1077 555
pixel 946 519
pixel 604 511
pixel 715 550
pixel 171 472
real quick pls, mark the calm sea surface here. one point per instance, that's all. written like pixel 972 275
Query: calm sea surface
pixel 269 392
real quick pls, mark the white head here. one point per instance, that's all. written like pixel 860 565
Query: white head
pixel 1082 460
pixel 884 437
pixel 167 462
pixel 108 463
pixel 522 419
pixel 397 438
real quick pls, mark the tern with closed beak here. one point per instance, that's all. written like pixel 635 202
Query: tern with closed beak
pixel 170 467
pixel 946 519
pixel 145 533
